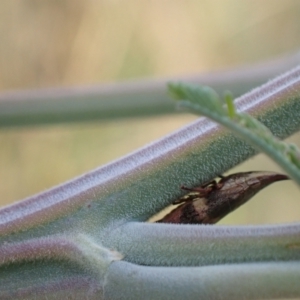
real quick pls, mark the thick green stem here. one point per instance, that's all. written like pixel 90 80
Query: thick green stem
pixel 226 282
pixel 139 185
pixel 198 245
pixel 93 212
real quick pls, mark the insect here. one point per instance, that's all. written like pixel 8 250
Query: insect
pixel 210 202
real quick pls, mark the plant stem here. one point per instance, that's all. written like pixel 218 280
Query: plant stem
pixel 132 99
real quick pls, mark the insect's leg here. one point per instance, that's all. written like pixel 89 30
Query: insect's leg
pixel 183 199
pixel 200 189
pixel 211 182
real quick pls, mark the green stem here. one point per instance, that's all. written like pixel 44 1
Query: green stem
pixel 199 245
pixel 140 98
pixel 139 185
pixel 226 282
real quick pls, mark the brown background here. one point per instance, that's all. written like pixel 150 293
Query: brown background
pixel 73 42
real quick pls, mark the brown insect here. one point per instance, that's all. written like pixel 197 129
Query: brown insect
pixel 213 200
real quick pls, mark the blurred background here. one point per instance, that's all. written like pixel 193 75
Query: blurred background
pixel 79 43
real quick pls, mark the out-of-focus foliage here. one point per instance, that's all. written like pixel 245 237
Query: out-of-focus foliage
pixel 53 43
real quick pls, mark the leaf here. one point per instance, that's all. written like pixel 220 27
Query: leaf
pixel 193 93
pixel 202 100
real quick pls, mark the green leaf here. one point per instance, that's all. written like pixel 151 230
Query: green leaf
pixel 193 93
pixel 204 101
